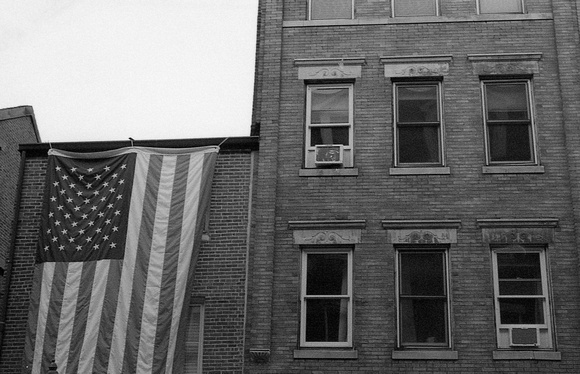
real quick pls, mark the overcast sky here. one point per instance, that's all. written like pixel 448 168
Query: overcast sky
pixel 146 69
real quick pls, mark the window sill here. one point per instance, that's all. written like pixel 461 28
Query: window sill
pixel 527 355
pixel 328 354
pixel 347 172
pixel 437 170
pixel 425 355
pixel 513 169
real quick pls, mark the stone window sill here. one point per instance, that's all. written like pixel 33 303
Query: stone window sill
pixel 346 172
pixel 425 355
pixel 438 170
pixel 527 355
pixel 527 169
pixel 327 354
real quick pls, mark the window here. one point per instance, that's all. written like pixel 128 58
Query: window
pixel 330 9
pixel 501 6
pixel 326 298
pixel 522 308
pixel 422 298
pixel 415 8
pixel 329 119
pixel 194 340
pixel 508 120
pixel 418 130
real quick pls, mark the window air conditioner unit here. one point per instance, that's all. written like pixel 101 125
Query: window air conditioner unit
pixel 328 154
pixel 524 337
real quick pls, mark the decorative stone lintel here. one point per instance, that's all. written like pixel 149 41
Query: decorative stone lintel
pixel 260 356
pixel 421 231
pixel 330 68
pixel 325 237
pixel 518 231
pixel 416 66
pixel 505 63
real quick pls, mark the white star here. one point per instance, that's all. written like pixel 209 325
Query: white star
pixel 81 231
pixel 64 231
pixel 71 240
pixel 106 184
pixel 113 245
pixel 50 214
pixel 101 214
pixel 54 239
pixel 61 247
pixel 73 169
pixel 88 239
pixel 67 215
pixel 98 177
pixel 115 228
pixel 110 206
pixel 62 192
pixel 90 170
pixel 81 177
pixel 107 222
pixel 57 223
pixel 112 190
pixel 121 181
pixel 96 192
pixel 95 247
pixel 89 185
pixel 87 201
pixel 69 200
pixel 117 212
pixel 71 186
pixel 79 248
pixel 84 216
pixel 98 230
pixel 124 166
pixel 94 207
pixel 114 175
pixel 103 199
pixel 107 168
pixel 48 231
pixel 77 208
pixel 91 223
pixel 74 224
pixel 119 197
pixel 105 237
pixel 60 207
pixel 53 198
pixel 55 184
pixel 57 168
pixel 46 248
pixel 79 193
pixel 64 177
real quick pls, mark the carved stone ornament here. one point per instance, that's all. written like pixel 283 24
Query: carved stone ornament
pixel 260 356
pixel 524 235
pixel 321 237
pixel 426 236
pixel 506 68
pixel 416 70
pixel 329 72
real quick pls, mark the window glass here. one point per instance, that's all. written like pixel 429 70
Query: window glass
pixel 414 8
pixel 423 303
pixel 329 135
pixel 330 9
pixel 193 342
pixel 507 102
pixel 500 6
pixel 417 124
pixel 326 299
pixel 329 105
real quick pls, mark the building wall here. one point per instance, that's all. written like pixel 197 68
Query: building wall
pixel 220 278
pixel 467 194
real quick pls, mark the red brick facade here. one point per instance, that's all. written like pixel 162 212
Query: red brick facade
pixel 483 205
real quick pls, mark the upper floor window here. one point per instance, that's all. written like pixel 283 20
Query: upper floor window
pixel 418 129
pixel 326 298
pixel 501 6
pixel 509 122
pixel 329 125
pixel 523 316
pixel 330 9
pixel 415 8
pixel 423 297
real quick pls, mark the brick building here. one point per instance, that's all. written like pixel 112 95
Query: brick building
pixel 218 304
pixel 418 187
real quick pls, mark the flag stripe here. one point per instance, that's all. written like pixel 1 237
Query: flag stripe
pixel 53 313
pixel 46 274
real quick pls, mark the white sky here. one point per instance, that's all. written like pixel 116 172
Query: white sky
pixel 114 69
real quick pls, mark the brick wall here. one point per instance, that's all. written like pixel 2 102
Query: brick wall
pixel 466 194
pixel 220 277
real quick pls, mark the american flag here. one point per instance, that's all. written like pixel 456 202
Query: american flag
pixel 117 245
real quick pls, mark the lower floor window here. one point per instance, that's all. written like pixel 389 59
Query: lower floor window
pixel 522 309
pixel 194 340
pixel 326 298
pixel 422 297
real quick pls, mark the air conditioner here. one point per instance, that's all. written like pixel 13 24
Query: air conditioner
pixel 524 337
pixel 328 154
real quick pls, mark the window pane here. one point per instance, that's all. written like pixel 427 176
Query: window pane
pixel 327 274
pixel 329 135
pixel 511 142
pixel 326 320
pixel 192 342
pixel 521 311
pixel 520 287
pixel 519 266
pixel 331 9
pixel 422 274
pixel 329 105
pixel 415 8
pixel 417 104
pixel 423 321
pixel 507 102
pixel 418 144
pixel 500 6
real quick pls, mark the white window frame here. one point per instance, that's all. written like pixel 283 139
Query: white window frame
pixel 503 330
pixel 347 149
pixel 531 122
pixel 304 297
pixel 423 249
pixel 521 2
pixel 328 18
pixel 397 124
pixel 199 366
pixel 394 10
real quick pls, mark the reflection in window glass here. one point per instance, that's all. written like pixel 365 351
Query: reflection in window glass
pixel 500 6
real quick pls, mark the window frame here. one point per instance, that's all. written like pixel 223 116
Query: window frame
pixel 326 250
pixel 348 150
pixel 394 15
pixel 545 328
pixel 444 251
pixel 200 305
pixel 522 6
pixel 321 19
pixel 530 122
pixel 439 124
